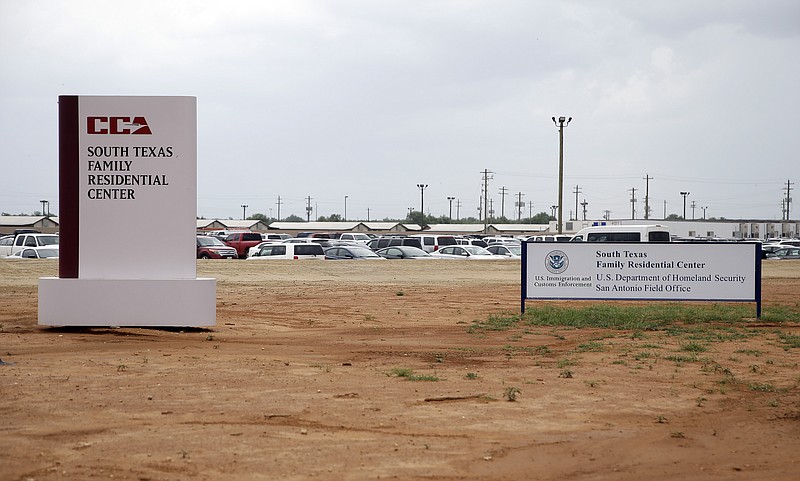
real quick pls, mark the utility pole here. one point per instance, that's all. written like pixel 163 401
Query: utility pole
pixel 309 209
pixel 422 188
pixel 451 199
pixel 345 208
pixel 367 214
pixel 633 202
pixel 244 210
pixel 279 207
pixel 43 203
pixel 560 124
pixel 486 176
pixel 704 212
pixel 530 210
pixel 553 211
pixel 694 204
pixel 665 209
pixel 647 179
pixel 584 204
pixel 684 194
pixel 788 198
pixel 520 205
pixel 458 209
pixel 503 191
pixel 576 192
pixel 606 214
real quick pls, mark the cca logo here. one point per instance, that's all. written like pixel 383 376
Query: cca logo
pixel 117 126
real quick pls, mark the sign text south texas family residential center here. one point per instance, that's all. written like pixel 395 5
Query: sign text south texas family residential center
pixel 642 271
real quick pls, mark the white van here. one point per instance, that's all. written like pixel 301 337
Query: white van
pixel 623 233
pixel 432 242
pixel 271 252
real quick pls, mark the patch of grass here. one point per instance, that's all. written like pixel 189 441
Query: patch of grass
pixel 694 347
pixel 399 293
pixel 762 387
pixel 591 346
pixel 562 363
pixel 471 375
pixel 750 352
pixel 642 318
pixel 511 393
pixel 790 341
pixel 541 350
pixel 495 322
pixel 680 359
pixel 409 375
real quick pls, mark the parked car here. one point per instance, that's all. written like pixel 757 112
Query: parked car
pixel 275 237
pixel 623 233
pixel 5 245
pixel 309 250
pixel 24 240
pixel 47 252
pixel 471 241
pixel 209 247
pixel 354 237
pixel 382 242
pixel 351 252
pixel 321 235
pixel 251 251
pixel 768 250
pixel 786 253
pixel 505 250
pixel 404 252
pixel 550 238
pixel 465 252
pixel 502 240
pixel 242 241
pixel 433 242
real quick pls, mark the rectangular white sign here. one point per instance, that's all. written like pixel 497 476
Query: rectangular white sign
pixel 137 187
pixel 640 271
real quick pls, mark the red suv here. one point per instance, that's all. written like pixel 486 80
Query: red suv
pixel 243 241
pixel 213 248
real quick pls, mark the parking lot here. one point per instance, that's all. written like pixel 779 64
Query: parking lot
pixel 362 370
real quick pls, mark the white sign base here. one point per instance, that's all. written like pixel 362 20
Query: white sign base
pixel 127 302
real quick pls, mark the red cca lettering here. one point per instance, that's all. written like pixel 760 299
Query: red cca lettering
pixel 117 126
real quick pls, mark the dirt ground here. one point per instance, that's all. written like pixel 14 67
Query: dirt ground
pixel 342 370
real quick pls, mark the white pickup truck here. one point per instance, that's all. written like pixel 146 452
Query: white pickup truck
pixel 10 244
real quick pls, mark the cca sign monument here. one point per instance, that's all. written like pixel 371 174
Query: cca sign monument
pixel 127 210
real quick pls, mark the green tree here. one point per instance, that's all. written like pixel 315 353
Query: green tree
pixel 294 218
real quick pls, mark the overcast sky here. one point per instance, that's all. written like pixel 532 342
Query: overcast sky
pixel 368 98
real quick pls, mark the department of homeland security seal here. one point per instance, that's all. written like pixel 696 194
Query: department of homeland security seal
pixel 556 261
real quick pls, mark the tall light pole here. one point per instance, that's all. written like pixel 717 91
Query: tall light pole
pixel 244 211
pixel 684 194
pixel 345 208
pixel 451 199
pixel 560 124
pixel 422 188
